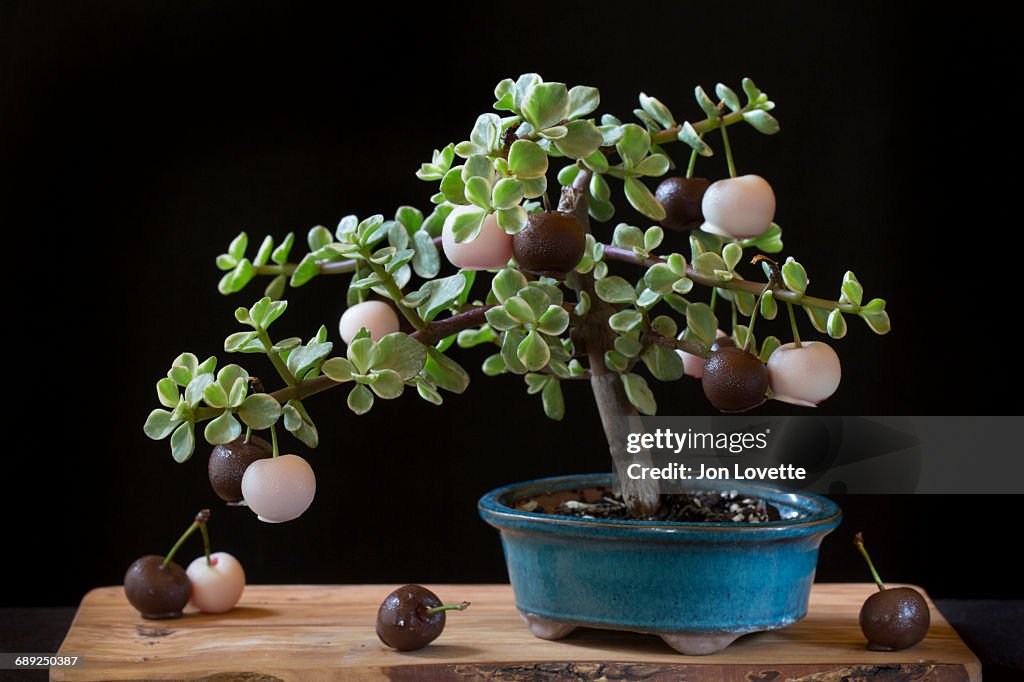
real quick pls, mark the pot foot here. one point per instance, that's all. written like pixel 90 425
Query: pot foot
pixel 693 644
pixel 545 628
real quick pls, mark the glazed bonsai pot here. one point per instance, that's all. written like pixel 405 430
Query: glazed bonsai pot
pixel 698 586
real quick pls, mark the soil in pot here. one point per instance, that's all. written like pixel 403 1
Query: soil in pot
pixel 598 502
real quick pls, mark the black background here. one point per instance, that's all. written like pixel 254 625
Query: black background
pixel 139 138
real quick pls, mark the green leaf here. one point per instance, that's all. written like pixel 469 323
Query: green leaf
pixel 647 299
pixel 280 254
pixel 508 192
pixel 493 365
pixel 653 166
pixel 660 278
pixel 629 346
pixel 878 321
pixel 226 262
pixel 183 442
pixel 235 281
pixel 428 392
pixel 167 392
pixel 499 319
pixel 527 160
pixel 402 354
pixel 642 200
pixel 338 369
pixel 260 411
pixel 275 289
pixel 160 424
pixel 238 246
pixel 639 394
pixel 583 100
pixel 769 242
pixel 443 292
pixel 581 140
pixel 453 187
pixel 551 398
pixel 445 372
pixel 388 385
pixel 306 270
pixel 507 284
pixel 852 291
pixel 601 211
pixel 658 111
pixel 710 110
pixel 615 289
pixel 535 187
pixel 478 192
pixel 616 361
pixel 227 376
pixel 426 262
pixel 596 162
pixel 599 187
pixel 512 220
pixel 633 145
pixel 708 264
pixel 238 391
pixel 568 174
pixel 664 363
pixel 836 324
pixel 625 320
pixel 215 395
pixel 702 321
pixel 769 307
pixel 223 429
pixel 533 352
pixel 794 276
pixel 727 95
pixel 744 302
pixel 554 321
pixel 509 347
pixel 360 399
pixel 318 237
pixel 751 90
pixel 466 223
pixel 818 317
pixel 362 352
pixel 545 105
pixel 303 358
pixel 688 135
pixel 195 389
pixel 762 121
pixel 731 254
pixel 519 310
pixel 628 237
pixel 769 346
pixel 486 131
pixel 299 424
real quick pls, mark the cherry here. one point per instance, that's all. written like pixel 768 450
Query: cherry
pixel 551 244
pixel 412 617
pixel 490 250
pixel 379 318
pixel 279 489
pixel 892 618
pixel 217 582
pixel 738 208
pixel 804 374
pixel 693 365
pixel 158 587
pixel 228 463
pixel 734 380
pixel 681 198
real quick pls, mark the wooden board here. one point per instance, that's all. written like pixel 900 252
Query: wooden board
pixel 326 632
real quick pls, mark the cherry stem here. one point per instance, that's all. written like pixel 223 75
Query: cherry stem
pixel 792 324
pixel 858 540
pixel 693 159
pixel 461 606
pixel 728 153
pixel 753 317
pixel 714 298
pixel 273 437
pixel 200 520
pixel 248 434
pixel 206 542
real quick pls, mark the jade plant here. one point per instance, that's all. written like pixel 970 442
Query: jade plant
pixel 553 310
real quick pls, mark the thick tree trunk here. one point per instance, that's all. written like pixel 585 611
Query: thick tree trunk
pixel 618 416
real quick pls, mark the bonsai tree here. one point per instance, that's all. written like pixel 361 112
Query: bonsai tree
pixel 553 310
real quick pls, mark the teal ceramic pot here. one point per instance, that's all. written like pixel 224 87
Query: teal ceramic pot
pixel 697 585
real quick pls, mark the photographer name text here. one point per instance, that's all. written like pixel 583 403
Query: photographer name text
pixel 697 472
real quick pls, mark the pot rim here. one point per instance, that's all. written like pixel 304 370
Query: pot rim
pixel 826 514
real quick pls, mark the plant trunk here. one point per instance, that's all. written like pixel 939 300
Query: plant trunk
pixel 618 416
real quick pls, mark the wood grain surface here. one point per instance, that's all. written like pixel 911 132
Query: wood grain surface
pixel 326 632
